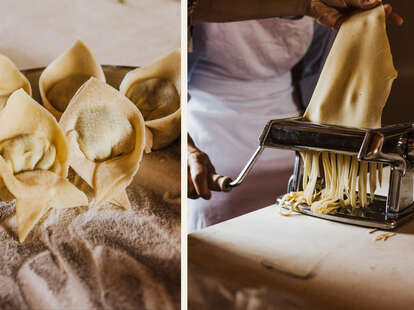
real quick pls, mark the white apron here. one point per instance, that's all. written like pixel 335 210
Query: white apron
pixel 242 80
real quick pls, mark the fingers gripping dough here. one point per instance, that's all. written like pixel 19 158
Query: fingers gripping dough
pixel 34 162
pixel 156 91
pixel 106 133
pixel 11 79
pixel 64 76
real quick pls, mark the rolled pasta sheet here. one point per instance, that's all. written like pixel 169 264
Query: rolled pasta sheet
pixel 156 91
pixel 355 82
pixel 63 77
pixel 106 134
pixel 34 162
pixel 11 79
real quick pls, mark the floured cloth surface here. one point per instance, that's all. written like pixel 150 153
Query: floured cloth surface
pixel 100 259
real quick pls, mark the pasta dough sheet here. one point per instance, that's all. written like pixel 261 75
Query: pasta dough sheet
pixel 11 79
pixel 62 77
pixel 352 91
pixel 106 134
pixel 357 77
pixel 34 162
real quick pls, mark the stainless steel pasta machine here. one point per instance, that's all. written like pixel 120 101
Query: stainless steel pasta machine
pixel 392 146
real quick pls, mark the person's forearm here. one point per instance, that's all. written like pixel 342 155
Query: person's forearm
pixel 237 10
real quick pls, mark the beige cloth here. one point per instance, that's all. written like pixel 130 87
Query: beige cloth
pixel 109 259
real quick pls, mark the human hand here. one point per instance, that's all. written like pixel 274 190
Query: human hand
pixel 200 173
pixel 333 13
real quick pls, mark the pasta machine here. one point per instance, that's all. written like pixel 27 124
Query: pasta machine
pixel 393 146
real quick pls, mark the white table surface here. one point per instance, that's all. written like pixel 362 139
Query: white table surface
pixel 33 33
pixel 299 262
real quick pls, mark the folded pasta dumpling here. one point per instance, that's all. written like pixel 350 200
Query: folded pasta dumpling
pixel 11 79
pixel 33 162
pixel 156 91
pixel 65 75
pixel 106 133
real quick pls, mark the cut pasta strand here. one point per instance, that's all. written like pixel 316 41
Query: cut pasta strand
pixel 343 175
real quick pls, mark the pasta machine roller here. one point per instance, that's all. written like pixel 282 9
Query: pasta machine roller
pixel 392 146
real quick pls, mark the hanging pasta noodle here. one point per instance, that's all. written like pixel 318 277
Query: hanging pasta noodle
pixel 352 91
pixel 372 180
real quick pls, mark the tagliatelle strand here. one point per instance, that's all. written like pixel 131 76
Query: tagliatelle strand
pixel 343 175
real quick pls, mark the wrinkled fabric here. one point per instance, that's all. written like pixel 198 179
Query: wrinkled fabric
pixel 104 258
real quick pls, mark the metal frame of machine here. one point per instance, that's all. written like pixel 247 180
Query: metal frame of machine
pixel 392 146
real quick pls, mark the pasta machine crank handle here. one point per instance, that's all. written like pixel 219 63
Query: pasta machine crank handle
pixel 219 183
pixel 225 184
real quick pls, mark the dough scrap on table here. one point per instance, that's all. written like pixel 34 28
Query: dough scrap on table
pixel 106 135
pixel 63 77
pixel 33 162
pixel 385 236
pixel 156 91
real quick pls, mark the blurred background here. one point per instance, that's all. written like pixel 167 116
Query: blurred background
pixel 119 32
pixel 400 106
